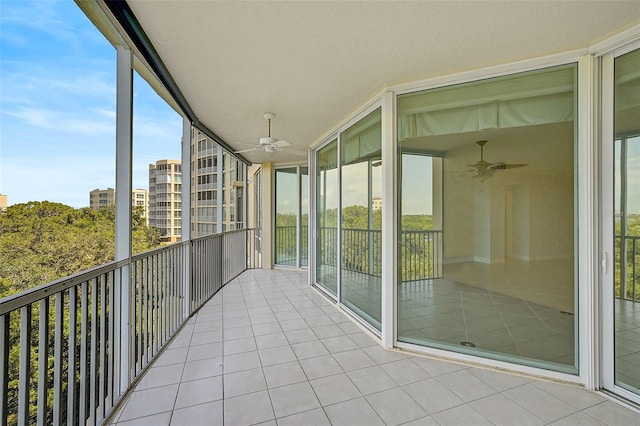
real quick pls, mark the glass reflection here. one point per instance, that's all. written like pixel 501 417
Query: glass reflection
pixel 488 179
pixel 627 222
pixel 326 216
pixel 362 218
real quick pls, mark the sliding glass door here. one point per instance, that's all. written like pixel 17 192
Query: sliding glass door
pixel 348 221
pixel 292 211
pixel 622 283
pixel 361 218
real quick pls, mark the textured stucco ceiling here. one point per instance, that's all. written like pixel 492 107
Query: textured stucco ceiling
pixel 312 63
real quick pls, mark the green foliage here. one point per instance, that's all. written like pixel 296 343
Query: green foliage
pixel 417 222
pixel 627 252
pixel 43 241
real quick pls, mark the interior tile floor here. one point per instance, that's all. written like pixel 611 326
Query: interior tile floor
pixel 268 349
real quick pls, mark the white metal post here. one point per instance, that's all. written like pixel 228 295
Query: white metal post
pixel 389 218
pixel 124 148
pixel 220 189
pixel 587 271
pixel 311 222
pixel 186 212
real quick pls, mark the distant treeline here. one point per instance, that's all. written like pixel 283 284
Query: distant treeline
pixel 42 241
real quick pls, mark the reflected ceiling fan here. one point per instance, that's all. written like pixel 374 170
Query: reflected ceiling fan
pixel 484 170
pixel 268 143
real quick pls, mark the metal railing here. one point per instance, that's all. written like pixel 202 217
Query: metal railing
pixel 627 258
pixel 420 252
pixel 286 243
pixel 70 349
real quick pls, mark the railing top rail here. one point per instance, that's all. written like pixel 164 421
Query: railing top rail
pixel 17 301
pixel 219 234
pixel 421 231
pixel 158 250
pixel 629 237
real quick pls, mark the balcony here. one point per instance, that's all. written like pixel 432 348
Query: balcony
pixel 264 347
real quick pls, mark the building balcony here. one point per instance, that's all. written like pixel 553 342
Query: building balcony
pixel 225 343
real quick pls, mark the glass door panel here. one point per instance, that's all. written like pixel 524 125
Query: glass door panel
pixel 326 217
pixel 626 300
pixel 286 235
pixel 361 228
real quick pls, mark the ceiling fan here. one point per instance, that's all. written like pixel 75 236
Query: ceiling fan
pixel 484 170
pixel 268 143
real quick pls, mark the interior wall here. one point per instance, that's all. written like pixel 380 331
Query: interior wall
pixel 534 203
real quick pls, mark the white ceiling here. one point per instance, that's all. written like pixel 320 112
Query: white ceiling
pixel 313 63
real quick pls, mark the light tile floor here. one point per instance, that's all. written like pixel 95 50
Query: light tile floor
pixel 268 349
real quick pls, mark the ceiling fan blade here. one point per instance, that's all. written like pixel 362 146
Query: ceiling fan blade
pixel 247 150
pixel 280 143
pixel 502 166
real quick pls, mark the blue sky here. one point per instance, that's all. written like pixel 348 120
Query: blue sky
pixel 57 107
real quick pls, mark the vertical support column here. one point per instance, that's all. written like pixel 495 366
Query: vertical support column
pixel 124 148
pixel 312 251
pixel 604 342
pixel 219 189
pixel 186 213
pixel 370 232
pixel 587 245
pixel 338 219
pixel 299 216
pixel 267 215
pixel 389 218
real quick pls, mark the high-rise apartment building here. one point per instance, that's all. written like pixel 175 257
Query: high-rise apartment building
pixel 165 199
pixel 99 198
pixel 217 188
pixel 140 199
pixel 103 197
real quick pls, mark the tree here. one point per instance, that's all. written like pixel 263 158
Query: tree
pixel 41 242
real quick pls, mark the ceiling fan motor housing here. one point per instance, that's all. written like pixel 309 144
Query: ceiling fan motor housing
pixel 268 140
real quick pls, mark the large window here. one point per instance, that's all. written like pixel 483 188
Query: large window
pixel 487 218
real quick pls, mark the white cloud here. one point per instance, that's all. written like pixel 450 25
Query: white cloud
pixel 85 124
